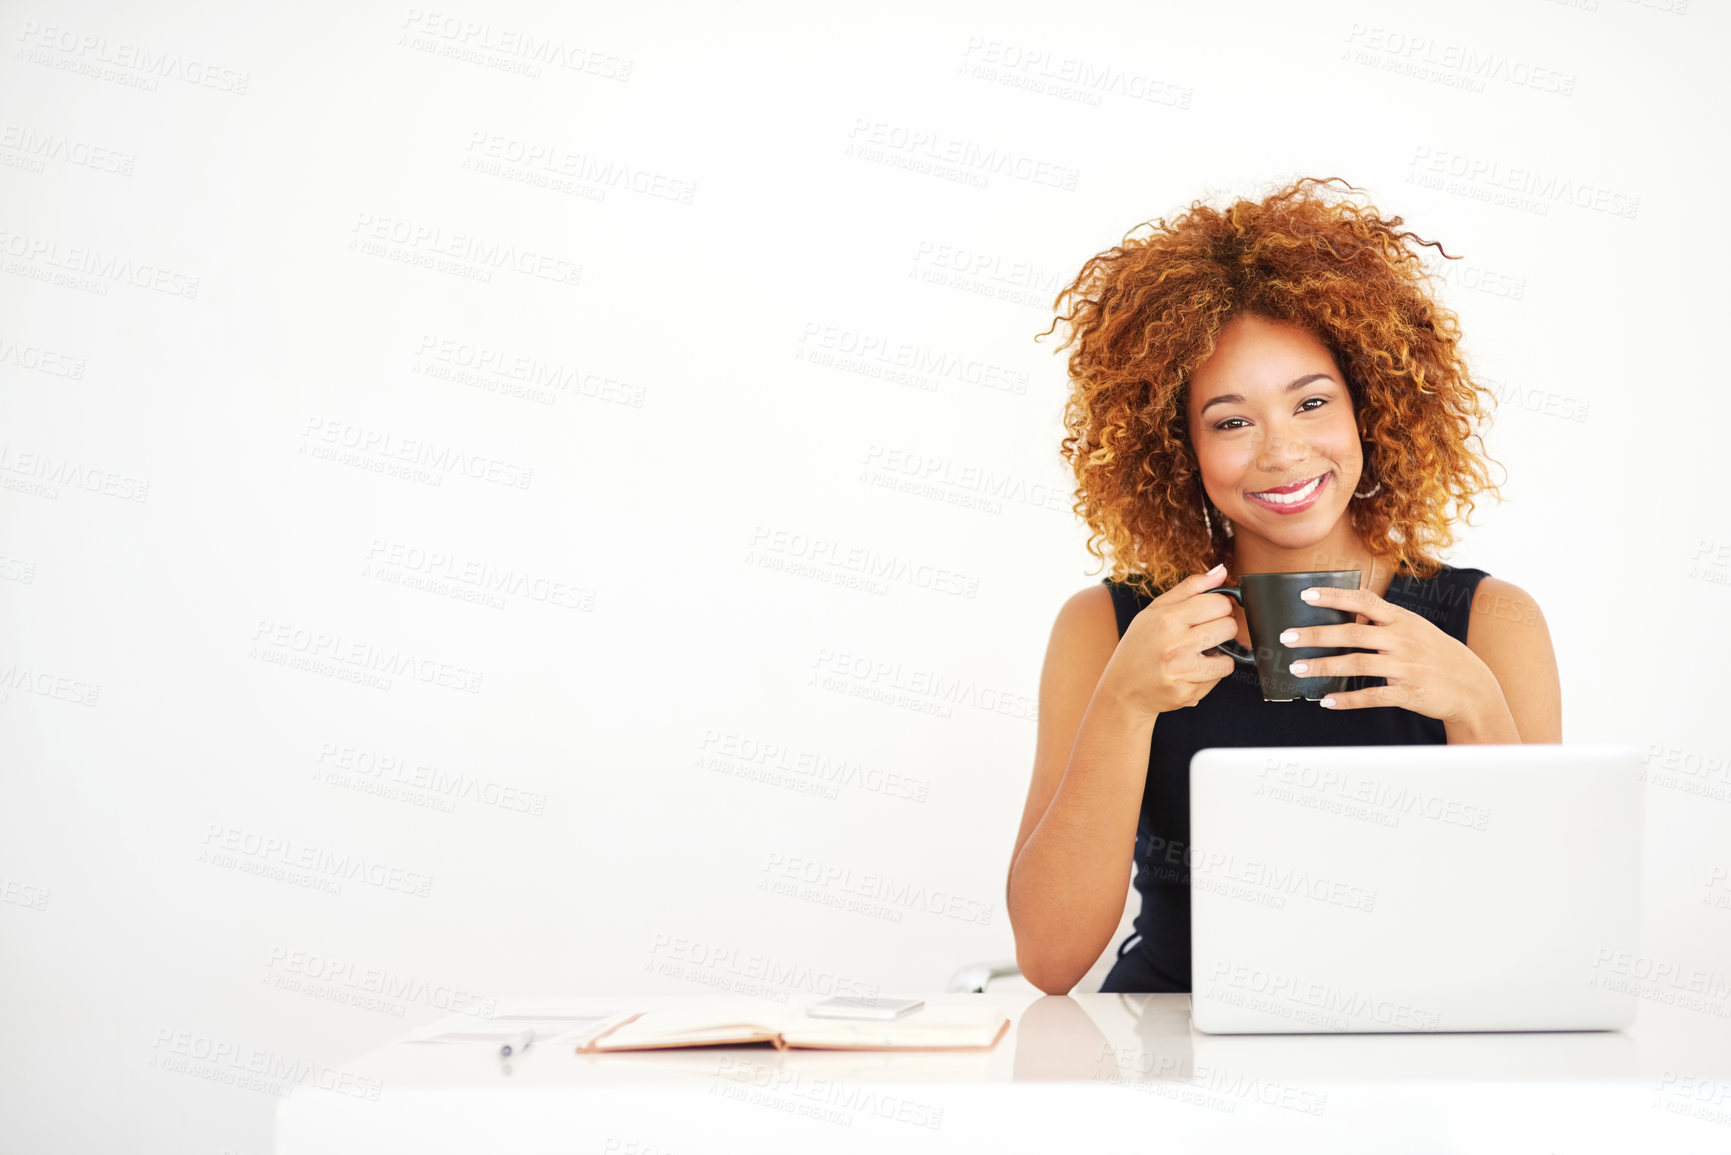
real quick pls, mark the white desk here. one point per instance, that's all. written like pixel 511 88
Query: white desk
pixel 1125 1067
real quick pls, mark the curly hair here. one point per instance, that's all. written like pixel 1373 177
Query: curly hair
pixel 1146 313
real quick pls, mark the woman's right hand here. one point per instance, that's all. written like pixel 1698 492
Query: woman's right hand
pixel 1159 664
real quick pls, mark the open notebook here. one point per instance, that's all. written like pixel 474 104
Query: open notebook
pixel 931 1028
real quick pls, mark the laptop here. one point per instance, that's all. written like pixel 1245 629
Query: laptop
pixel 1376 889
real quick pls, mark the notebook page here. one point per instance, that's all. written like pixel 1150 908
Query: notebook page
pixel 937 1028
pixel 712 1023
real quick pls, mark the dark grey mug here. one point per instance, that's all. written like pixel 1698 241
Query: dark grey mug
pixel 1271 605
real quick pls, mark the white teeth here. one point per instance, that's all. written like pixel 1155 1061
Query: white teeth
pixel 1294 497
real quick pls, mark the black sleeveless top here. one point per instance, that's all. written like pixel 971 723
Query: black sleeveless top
pixel 1157 956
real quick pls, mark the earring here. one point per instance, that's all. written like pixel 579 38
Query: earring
pixel 1208 523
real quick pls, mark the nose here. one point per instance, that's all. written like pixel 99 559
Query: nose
pixel 1279 451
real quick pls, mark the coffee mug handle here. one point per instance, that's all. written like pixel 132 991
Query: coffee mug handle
pixel 1231 648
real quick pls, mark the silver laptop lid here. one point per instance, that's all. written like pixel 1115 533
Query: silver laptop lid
pixel 1414 888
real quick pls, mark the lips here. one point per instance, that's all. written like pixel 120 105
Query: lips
pixel 1293 498
pixel 1300 484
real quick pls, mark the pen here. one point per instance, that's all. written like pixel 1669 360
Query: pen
pixel 517 1042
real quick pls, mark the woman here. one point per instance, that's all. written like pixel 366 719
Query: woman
pixel 1270 388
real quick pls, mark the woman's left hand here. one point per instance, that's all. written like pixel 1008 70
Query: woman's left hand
pixel 1428 671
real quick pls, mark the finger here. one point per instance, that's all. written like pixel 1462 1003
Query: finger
pixel 1189 591
pixel 1195 584
pixel 1341 634
pixel 1208 669
pixel 1202 608
pixel 1347 665
pixel 1208 634
pixel 1359 601
pixel 1370 696
pixel 1218 667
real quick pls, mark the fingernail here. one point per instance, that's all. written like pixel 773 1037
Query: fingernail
pixel 1309 595
pixel 1327 703
pixel 1298 667
pixel 1287 637
pixel 1217 569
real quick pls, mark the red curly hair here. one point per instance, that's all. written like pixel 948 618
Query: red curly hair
pixel 1146 313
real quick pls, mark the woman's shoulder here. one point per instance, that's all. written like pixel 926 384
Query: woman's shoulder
pixel 1129 598
pixel 1136 589
pixel 1457 596
pixel 1444 597
pixel 1445 576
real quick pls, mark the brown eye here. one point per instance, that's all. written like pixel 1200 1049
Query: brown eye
pixel 1223 425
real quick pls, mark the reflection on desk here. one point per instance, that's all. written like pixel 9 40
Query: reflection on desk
pixel 1130 1058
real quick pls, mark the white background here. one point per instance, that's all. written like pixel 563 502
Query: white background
pixel 715 304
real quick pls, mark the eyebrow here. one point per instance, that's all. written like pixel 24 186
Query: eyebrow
pixel 1238 398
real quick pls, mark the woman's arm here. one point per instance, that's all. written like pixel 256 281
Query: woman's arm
pixel 1508 633
pixel 1070 868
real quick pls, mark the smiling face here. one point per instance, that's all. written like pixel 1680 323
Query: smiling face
pixel 1276 437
